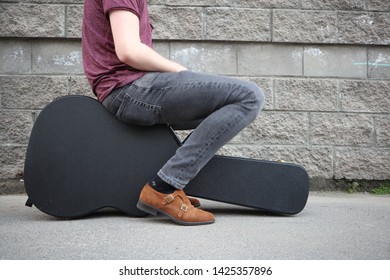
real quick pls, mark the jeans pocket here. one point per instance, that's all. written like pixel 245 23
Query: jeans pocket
pixel 133 111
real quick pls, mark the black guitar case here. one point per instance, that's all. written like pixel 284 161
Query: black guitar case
pixel 80 158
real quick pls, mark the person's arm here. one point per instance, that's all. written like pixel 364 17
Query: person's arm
pixel 129 48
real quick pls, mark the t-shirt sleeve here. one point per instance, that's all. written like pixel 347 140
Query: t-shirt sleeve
pixel 130 5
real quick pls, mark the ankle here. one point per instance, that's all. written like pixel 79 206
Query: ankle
pixel 161 186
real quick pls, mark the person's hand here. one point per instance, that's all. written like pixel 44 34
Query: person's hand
pixel 181 68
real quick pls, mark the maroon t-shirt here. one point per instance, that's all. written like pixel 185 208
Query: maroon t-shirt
pixel 102 67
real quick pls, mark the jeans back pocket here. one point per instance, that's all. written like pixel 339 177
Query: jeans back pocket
pixel 133 111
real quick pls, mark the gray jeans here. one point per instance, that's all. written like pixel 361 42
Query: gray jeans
pixel 221 105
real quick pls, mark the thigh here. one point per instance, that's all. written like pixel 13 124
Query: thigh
pixel 187 96
pixel 174 98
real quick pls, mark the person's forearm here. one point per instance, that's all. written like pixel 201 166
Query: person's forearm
pixel 144 58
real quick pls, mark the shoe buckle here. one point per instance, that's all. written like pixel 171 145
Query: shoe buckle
pixel 169 198
pixel 184 207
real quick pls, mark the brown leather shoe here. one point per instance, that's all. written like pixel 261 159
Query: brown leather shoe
pixel 176 206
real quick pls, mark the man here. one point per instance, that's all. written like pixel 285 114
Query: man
pixel 141 87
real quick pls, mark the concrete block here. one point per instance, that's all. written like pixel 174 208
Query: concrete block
pixel 318 161
pixel 195 3
pixel 364 28
pixel 267 86
pixel 379 5
pixel 31 92
pixel 355 5
pixel 79 85
pixel 362 163
pixel 365 96
pixel 304 26
pixel 238 24
pixel 158 2
pixel 269 60
pixel 281 128
pixel 177 23
pixel 162 48
pixel 15 127
pixel 306 95
pixel 42 20
pixel 206 57
pixel 74 21
pixel 379 62
pixel 50 1
pixel 245 151
pixel 15 57
pixel 335 61
pixel 57 57
pixel 341 129
pixel 262 4
pixel 382 124
pixel 11 161
pixel 182 134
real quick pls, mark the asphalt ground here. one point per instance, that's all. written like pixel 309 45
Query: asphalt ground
pixel 333 226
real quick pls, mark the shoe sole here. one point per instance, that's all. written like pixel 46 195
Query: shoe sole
pixel 153 211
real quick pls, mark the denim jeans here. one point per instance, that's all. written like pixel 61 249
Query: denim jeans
pixel 222 106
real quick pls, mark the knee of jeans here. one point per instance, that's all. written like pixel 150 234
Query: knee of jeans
pixel 255 98
pixel 260 98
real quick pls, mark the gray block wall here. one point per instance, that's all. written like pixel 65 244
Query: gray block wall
pixel 323 64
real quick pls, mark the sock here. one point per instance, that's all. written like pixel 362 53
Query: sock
pixel 161 186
